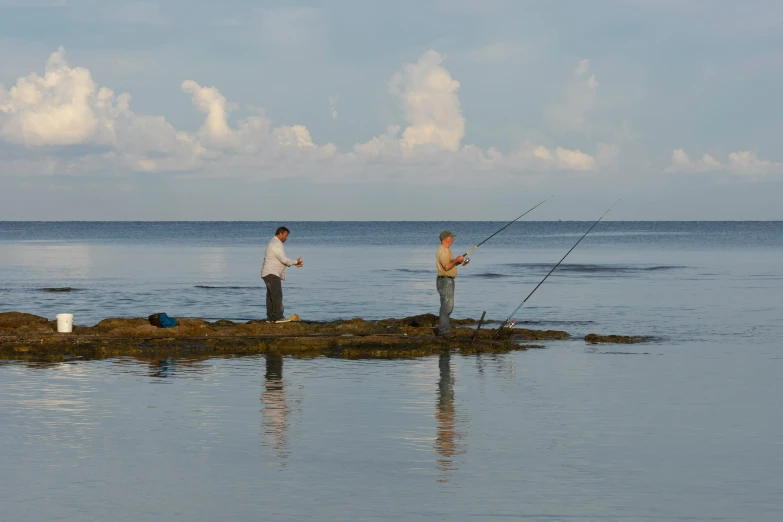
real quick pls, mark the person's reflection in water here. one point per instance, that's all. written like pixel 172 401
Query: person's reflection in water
pixel 446 438
pixel 164 368
pixel 276 412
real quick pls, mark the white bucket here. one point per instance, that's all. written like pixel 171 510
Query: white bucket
pixel 65 323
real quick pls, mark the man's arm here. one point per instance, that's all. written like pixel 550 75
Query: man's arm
pixel 454 262
pixel 279 253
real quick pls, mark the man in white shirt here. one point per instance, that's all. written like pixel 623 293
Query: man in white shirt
pixel 273 273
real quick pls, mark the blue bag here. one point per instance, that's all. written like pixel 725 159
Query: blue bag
pixel 162 321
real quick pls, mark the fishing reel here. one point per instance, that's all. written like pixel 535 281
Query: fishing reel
pixel 465 261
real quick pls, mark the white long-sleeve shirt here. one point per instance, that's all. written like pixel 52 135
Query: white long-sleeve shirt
pixel 275 261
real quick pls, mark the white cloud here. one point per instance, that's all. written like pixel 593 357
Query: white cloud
pixel 428 98
pixel 62 107
pixel 333 106
pixel 539 158
pixel 66 108
pixel 209 101
pixel 571 112
pixel 745 164
pixel 427 95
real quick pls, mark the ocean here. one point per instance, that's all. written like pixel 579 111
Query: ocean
pixel 686 427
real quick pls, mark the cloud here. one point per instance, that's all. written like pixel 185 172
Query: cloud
pixel 742 163
pixel 571 112
pixel 427 95
pixel 65 108
pixel 91 126
pixel 540 158
pixel 62 107
pixel 209 101
pixel 333 106
pixel 80 127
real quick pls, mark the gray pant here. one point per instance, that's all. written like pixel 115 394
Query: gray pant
pixel 446 290
pixel 274 298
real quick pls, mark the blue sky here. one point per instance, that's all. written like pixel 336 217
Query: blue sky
pixel 347 109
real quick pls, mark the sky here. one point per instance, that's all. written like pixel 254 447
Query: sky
pixel 405 110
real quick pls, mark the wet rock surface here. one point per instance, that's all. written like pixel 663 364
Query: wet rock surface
pixel 19 323
pixel 615 339
pixel 30 337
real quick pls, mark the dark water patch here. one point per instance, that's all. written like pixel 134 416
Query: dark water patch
pixel 620 353
pixel 490 275
pixel 59 289
pixel 555 322
pixel 596 269
pixel 209 287
pixel 408 270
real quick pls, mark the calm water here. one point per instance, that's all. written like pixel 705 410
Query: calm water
pixel 685 428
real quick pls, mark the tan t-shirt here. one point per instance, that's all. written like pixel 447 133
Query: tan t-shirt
pixel 443 258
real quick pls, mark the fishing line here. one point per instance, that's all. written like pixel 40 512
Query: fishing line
pixel 465 255
pixel 550 273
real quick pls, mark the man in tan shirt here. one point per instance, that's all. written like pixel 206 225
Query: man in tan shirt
pixel 447 271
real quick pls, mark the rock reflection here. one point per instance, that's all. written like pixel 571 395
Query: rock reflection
pixel 447 435
pixel 276 412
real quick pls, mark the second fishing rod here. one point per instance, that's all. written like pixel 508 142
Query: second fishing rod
pixel 501 229
pixel 510 317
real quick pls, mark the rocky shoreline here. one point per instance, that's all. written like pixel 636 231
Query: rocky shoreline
pixel 34 338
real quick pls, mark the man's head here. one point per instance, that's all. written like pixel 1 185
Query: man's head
pixel 446 238
pixel 282 233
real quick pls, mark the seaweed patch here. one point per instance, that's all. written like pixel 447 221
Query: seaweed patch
pixel 615 339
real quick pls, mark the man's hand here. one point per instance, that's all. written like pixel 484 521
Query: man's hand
pixel 299 263
pixel 454 262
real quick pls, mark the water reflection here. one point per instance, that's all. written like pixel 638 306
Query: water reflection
pixel 47 261
pixel 164 368
pixel 502 365
pixel 276 412
pixel 447 435
pixel 212 263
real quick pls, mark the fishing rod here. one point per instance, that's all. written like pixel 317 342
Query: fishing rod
pixel 550 273
pixel 465 255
